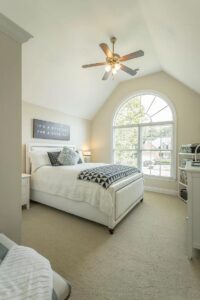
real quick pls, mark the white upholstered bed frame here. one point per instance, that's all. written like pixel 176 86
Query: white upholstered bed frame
pixel 128 193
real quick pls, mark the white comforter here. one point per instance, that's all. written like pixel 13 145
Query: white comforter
pixel 24 274
pixel 62 181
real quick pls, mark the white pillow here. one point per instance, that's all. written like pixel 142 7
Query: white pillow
pixel 39 159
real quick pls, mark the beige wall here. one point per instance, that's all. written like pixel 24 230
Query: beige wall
pixel 10 137
pixel 185 101
pixel 79 128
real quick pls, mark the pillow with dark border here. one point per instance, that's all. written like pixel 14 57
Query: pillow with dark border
pixel 53 157
pixel 3 252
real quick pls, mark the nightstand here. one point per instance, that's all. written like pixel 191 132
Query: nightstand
pixel 25 200
pixel 87 156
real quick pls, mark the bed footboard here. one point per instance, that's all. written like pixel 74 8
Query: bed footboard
pixel 125 200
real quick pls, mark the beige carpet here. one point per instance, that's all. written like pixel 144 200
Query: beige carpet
pixel 145 258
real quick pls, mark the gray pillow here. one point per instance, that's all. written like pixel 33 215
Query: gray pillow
pixel 68 157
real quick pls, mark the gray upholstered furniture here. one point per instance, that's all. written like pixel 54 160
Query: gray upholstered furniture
pixel 62 288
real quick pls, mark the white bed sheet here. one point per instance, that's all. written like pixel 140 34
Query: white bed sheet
pixel 62 181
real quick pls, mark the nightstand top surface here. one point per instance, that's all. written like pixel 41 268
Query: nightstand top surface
pixel 25 175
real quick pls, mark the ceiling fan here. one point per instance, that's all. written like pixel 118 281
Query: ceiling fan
pixel 114 61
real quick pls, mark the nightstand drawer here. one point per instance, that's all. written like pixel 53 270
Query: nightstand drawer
pixel 24 197
pixel 25 182
pixel 25 190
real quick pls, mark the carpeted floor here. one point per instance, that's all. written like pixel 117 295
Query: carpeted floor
pixel 145 259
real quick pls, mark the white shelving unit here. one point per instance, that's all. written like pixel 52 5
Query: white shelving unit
pixel 182 174
pixel 193 210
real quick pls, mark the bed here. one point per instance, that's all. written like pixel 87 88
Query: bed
pixel 59 187
pixel 61 288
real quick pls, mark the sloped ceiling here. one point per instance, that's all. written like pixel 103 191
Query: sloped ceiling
pixel 174 27
pixel 67 33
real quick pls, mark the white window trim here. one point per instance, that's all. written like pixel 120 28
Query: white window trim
pixel 173 122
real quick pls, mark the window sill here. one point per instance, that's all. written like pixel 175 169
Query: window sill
pixel 160 178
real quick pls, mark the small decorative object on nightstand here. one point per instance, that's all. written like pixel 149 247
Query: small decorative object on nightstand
pixel 25 199
pixel 87 156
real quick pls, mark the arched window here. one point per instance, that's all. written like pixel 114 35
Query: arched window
pixel 143 135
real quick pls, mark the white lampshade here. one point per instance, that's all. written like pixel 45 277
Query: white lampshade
pixel 87 153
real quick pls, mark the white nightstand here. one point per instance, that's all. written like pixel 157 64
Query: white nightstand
pixel 25 200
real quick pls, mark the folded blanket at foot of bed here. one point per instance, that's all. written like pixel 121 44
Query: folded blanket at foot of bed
pixel 25 274
pixel 106 175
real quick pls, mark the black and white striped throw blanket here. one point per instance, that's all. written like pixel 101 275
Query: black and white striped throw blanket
pixel 107 174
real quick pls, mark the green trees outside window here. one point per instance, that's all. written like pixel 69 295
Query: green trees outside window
pixel 143 135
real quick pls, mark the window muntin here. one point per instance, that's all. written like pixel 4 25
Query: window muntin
pixel 143 134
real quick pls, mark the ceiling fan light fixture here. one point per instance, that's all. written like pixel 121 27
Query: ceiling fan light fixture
pixel 117 66
pixel 108 68
pixel 114 71
pixel 114 62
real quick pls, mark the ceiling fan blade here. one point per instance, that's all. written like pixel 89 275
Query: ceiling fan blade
pixel 132 55
pixel 129 70
pixel 106 49
pixel 106 75
pixel 94 65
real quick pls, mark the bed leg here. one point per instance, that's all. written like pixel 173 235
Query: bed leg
pixel 141 200
pixel 111 230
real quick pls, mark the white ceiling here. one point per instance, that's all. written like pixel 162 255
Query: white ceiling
pixel 67 33
pixel 174 27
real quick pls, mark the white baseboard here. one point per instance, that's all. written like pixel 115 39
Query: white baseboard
pixel 161 190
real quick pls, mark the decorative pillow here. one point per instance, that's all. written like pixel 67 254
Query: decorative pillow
pixel 81 159
pixel 3 252
pixel 53 156
pixel 68 157
pixel 39 159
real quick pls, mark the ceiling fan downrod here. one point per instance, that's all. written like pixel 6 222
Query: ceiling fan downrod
pixel 113 40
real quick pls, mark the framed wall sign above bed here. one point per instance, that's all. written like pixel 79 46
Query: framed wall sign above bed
pixel 50 130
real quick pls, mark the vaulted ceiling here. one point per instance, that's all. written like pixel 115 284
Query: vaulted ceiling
pixel 67 33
